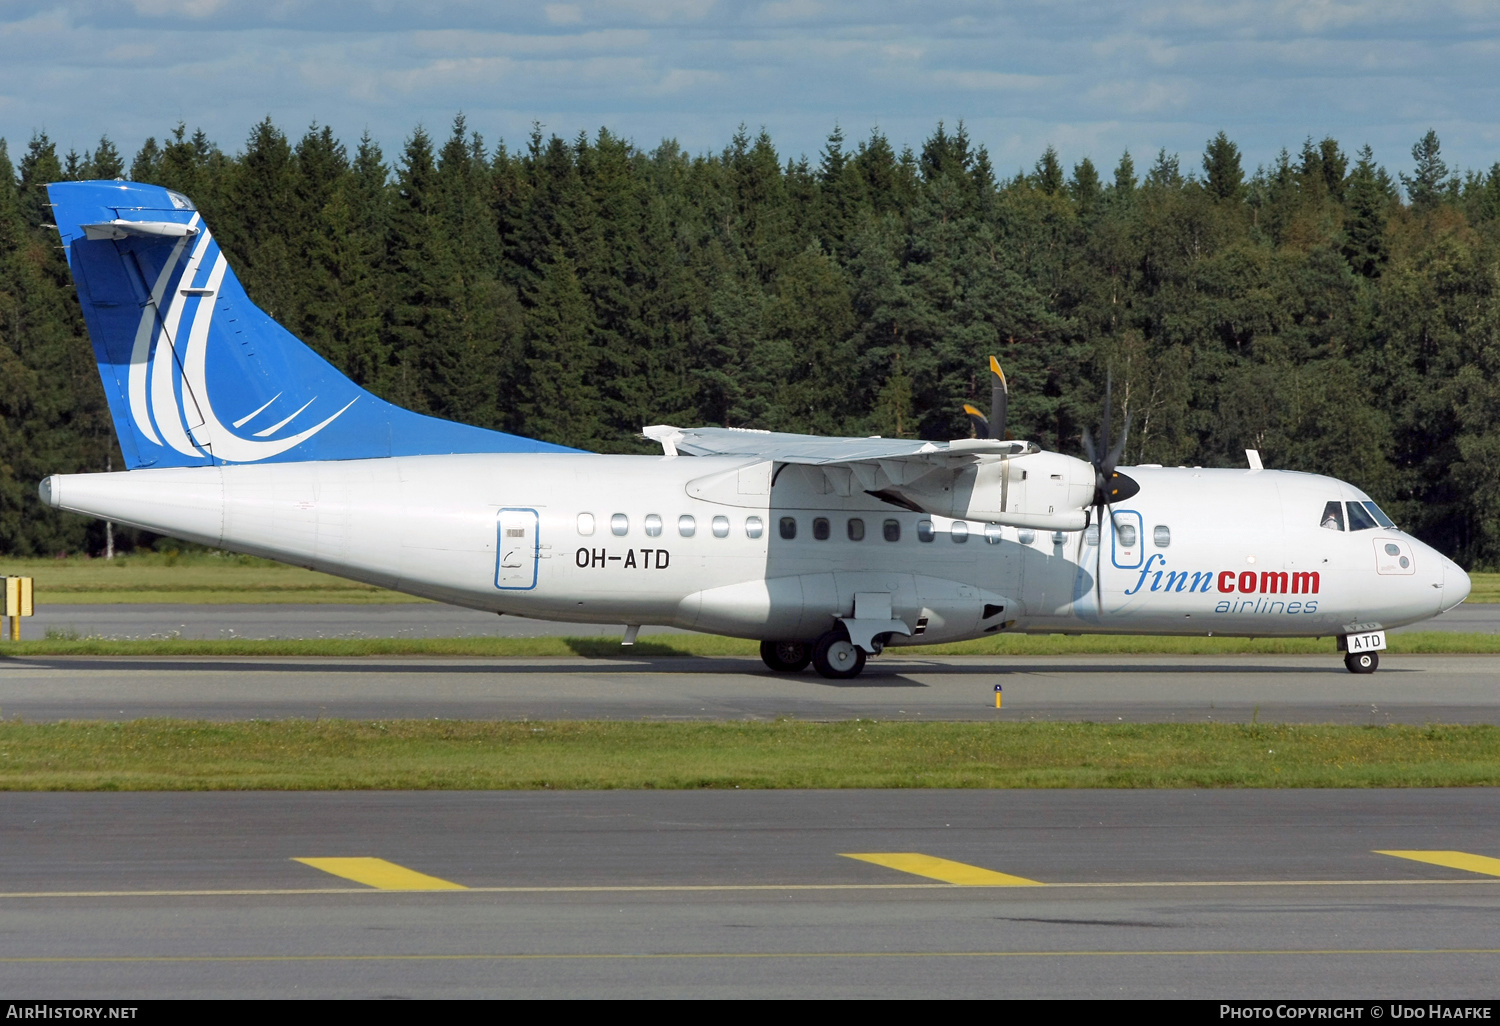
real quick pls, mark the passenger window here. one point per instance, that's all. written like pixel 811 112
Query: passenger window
pixel 856 529
pixel 925 533
pixel 619 524
pixel 1333 516
pixel 585 524
pixel 653 525
pixel 754 527
pixel 1359 518
pixel 1161 534
pixel 789 528
pixel 1025 536
pixel 959 532
pixel 820 528
pixel 992 533
pixel 1380 517
pixel 687 526
pixel 1090 536
pixel 891 529
pixel 721 527
pixel 1127 535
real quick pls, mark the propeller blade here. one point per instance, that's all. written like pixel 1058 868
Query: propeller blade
pixel 1099 559
pixel 1109 387
pixel 1119 450
pixel 976 418
pixel 999 400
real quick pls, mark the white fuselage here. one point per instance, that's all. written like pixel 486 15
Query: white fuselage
pixel 674 541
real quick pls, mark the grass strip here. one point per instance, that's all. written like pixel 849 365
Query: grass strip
pixel 215 577
pixel 1425 642
pixel 426 754
pixel 200 577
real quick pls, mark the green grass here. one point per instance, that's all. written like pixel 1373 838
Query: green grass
pixel 203 578
pixel 1486 588
pixel 211 577
pixel 1426 642
pixel 426 754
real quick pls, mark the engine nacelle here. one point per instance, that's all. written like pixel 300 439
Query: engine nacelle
pixel 1044 490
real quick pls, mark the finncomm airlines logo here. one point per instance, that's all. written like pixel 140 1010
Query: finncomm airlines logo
pixel 1255 584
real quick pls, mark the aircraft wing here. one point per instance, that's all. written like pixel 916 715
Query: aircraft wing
pixel 967 478
pixel 821 450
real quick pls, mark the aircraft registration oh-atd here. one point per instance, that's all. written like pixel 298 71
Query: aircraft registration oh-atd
pixel 825 549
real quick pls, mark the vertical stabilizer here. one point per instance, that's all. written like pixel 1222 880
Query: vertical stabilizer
pixel 198 375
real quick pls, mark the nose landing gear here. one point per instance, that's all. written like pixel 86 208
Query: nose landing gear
pixel 1362 662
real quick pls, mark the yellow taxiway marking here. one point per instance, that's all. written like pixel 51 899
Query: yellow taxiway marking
pixel 272 892
pixel 378 873
pixel 1452 859
pixel 959 873
pixel 664 955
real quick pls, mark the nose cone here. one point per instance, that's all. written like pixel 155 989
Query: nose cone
pixel 1456 585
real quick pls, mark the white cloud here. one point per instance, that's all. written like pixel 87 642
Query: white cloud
pixel 563 14
pixel 1089 76
pixel 178 8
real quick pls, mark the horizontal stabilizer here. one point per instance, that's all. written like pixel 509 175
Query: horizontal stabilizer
pixel 122 229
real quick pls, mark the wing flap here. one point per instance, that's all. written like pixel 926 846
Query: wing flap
pixel 819 450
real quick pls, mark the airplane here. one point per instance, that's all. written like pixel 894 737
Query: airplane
pixel 826 550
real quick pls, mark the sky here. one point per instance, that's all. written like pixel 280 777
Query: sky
pixel 1090 77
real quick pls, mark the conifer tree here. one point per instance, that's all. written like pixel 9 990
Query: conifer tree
pixel 1424 186
pixel 1364 243
pixel 1124 184
pixel 1224 177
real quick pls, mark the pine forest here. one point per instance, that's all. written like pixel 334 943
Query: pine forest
pixel 1339 317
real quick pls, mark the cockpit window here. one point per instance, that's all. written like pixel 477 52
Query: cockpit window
pixel 1380 517
pixel 1333 516
pixel 1359 518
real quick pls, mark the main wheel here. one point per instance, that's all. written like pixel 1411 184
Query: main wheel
pixel 1362 662
pixel 786 656
pixel 836 657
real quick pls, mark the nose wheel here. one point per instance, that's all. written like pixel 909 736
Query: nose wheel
pixel 1362 662
pixel 836 657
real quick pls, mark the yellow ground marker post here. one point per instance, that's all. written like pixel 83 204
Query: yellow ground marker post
pixel 1452 859
pixel 378 873
pixel 16 602
pixel 998 693
pixel 933 868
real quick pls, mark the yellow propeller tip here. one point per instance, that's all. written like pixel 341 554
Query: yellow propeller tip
pixel 973 411
pixel 995 370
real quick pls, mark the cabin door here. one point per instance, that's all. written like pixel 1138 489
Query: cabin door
pixel 516 550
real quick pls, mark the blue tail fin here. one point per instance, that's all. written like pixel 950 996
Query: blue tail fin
pixel 195 373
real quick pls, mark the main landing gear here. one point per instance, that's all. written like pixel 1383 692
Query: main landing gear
pixel 1362 662
pixel 786 656
pixel 833 655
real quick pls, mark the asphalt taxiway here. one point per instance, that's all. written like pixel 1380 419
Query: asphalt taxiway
pixel 1223 894
pixel 1142 688
pixel 414 620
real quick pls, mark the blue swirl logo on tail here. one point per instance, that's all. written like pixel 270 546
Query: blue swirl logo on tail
pixel 196 374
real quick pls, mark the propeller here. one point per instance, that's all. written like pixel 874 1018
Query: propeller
pixel 1110 486
pixel 994 425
